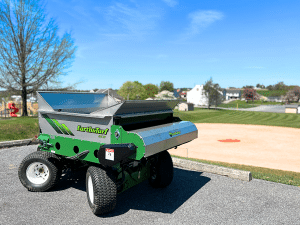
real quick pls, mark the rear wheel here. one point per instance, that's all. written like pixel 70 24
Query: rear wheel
pixel 161 174
pixel 101 190
pixel 39 171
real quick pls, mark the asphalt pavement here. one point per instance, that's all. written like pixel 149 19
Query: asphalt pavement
pixel 192 198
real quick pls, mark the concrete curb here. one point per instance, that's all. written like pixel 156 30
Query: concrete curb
pixel 8 144
pixel 232 173
pixel 183 163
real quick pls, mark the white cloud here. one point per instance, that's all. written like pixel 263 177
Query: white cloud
pixel 201 19
pixel 171 3
pixel 131 20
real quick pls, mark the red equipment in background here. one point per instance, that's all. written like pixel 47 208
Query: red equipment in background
pixel 14 109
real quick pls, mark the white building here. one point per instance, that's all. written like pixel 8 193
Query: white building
pixel 197 96
pixel 232 94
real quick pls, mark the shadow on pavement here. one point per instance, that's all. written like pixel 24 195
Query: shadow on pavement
pixel 165 200
pixel 143 197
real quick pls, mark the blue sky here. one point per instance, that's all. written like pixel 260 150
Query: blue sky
pixel 236 42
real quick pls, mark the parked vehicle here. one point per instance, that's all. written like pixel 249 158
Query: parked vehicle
pixel 121 143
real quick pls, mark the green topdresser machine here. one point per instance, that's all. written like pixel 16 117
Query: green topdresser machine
pixel 120 143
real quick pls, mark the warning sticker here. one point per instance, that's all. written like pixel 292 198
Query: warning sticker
pixel 110 154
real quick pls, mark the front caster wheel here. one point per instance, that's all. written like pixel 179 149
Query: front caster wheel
pixel 101 190
pixel 39 171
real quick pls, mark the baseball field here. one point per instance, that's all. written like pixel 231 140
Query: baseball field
pixel 266 144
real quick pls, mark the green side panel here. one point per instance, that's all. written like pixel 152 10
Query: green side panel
pixel 44 137
pixel 52 123
pixel 67 129
pixel 128 137
pixel 60 126
pixel 66 147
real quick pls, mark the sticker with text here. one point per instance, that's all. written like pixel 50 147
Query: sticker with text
pixel 110 154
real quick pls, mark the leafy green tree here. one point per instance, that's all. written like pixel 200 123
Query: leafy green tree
pixel 136 82
pixel 31 53
pixel 151 90
pixel 132 91
pixel 280 86
pixel 166 85
pixel 213 93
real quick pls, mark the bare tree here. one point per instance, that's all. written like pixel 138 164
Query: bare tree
pixel 31 53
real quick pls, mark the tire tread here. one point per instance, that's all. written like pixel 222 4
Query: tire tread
pixel 105 190
pixel 54 167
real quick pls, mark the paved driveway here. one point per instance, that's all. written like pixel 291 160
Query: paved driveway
pixel 192 198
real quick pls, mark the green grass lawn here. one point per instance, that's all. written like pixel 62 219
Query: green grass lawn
pixel 240 117
pixel 250 104
pixel 18 128
pixel 268 93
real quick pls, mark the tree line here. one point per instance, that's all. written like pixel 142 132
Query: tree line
pixel 137 91
pixel 292 92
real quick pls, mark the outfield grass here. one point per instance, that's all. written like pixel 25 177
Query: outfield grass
pixel 250 104
pixel 18 128
pixel 239 117
pixel 278 176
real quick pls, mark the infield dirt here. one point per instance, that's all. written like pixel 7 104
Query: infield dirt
pixel 262 146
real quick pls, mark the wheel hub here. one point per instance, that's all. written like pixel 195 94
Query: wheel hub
pixel 37 173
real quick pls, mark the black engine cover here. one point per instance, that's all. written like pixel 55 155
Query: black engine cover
pixel 111 154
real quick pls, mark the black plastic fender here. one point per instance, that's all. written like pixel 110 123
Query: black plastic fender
pixel 111 154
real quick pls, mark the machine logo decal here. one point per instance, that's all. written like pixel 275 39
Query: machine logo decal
pixel 96 130
pixel 174 133
pixel 59 128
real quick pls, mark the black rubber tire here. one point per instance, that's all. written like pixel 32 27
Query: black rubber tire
pixel 104 190
pixel 46 158
pixel 162 171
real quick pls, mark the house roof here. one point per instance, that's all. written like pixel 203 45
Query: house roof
pixel 232 91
